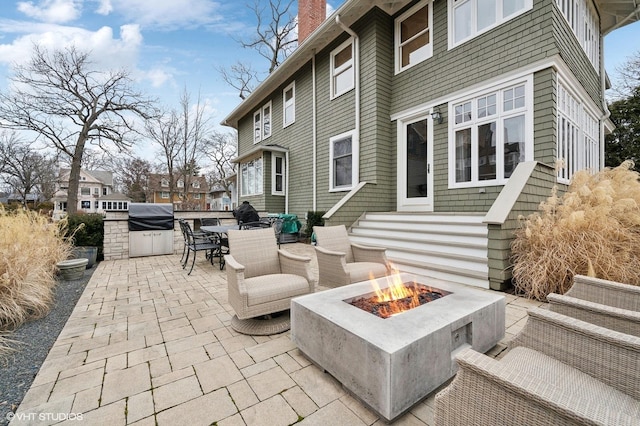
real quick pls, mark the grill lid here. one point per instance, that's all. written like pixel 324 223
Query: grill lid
pixel 150 217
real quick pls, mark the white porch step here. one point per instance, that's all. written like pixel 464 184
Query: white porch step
pixel 449 247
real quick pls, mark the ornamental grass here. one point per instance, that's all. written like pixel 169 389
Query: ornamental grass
pixel 594 229
pixel 30 247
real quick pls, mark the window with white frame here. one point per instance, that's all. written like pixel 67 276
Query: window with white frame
pixel 164 194
pixel 413 35
pixel 195 184
pixel 583 20
pixel 469 18
pixel 164 183
pixel 85 204
pixel 251 177
pixel 289 104
pixel 96 191
pixel 104 191
pixel 180 183
pixel 578 136
pixel 342 69
pixel 196 196
pixel 491 133
pixel 266 121
pixel 343 166
pixel 257 126
pixel 277 174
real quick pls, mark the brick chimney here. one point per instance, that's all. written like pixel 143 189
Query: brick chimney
pixel 311 13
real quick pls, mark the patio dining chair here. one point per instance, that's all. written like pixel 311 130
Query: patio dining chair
pixel 262 279
pixel 341 262
pixel 195 243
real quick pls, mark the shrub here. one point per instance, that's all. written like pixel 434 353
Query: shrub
pixel 596 222
pixel 86 230
pixel 30 246
pixel 313 219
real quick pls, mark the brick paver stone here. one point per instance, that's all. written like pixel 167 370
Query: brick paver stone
pixel 120 384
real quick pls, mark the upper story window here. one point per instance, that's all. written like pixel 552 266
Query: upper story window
pixel 413 35
pixel 262 123
pixel 195 184
pixel 277 174
pixel 344 161
pixel 104 191
pixel 578 135
pixel 289 104
pixel 583 20
pixel 469 18
pixel 180 183
pixel 96 191
pixel 342 69
pixel 85 191
pixel 164 183
pixel 490 134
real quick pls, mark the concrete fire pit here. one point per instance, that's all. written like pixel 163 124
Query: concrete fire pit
pixel 391 364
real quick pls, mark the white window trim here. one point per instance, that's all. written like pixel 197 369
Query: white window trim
pixel 474 33
pixel 397 23
pixel 585 110
pixel 292 87
pixel 195 184
pixel 355 161
pixel 164 183
pixel 333 71
pixel 266 135
pixel 585 18
pixel 164 195
pixel 274 157
pixel 257 133
pixel 261 186
pixel 528 114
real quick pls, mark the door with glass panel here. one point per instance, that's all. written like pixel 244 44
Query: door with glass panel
pixel 415 164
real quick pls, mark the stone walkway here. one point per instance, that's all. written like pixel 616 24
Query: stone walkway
pixel 147 344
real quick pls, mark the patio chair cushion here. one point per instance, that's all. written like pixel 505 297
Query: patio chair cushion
pixel 335 238
pixel 363 271
pixel 271 288
pixel 572 384
pixel 258 254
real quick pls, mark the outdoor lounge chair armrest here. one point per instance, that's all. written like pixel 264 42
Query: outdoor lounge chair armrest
pixel 297 265
pixel 362 253
pixel 236 287
pixel 328 252
pixel 622 320
pixel 619 295
pixel 231 262
pixel 484 387
pixel 607 355
pixel 332 267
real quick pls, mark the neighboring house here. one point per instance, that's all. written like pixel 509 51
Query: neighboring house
pixel 222 200
pixel 94 186
pixel 447 117
pixel 194 197
pixel 16 198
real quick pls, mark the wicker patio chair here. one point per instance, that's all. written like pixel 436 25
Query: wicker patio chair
pixel 558 371
pixel 262 279
pixel 605 303
pixel 341 262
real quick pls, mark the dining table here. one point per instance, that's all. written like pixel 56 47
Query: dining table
pixel 218 231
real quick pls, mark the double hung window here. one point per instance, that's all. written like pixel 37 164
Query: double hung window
pixel 289 104
pixel 262 123
pixel 413 36
pixel 491 134
pixel 342 69
pixel 277 174
pixel 343 168
pixel 583 20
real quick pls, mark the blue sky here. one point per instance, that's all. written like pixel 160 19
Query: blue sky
pixel 169 44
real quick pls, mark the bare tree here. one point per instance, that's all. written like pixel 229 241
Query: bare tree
pixel 164 131
pixel 25 170
pixel 274 40
pixel 221 148
pixel 134 177
pixel 67 102
pixel 628 76
pixel 241 77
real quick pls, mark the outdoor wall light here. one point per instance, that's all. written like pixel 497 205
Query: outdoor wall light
pixel 436 116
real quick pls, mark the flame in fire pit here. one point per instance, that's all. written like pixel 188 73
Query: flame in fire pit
pixel 397 297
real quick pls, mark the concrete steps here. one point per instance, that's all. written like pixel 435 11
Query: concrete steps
pixel 446 246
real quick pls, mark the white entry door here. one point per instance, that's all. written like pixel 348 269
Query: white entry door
pixel 415 163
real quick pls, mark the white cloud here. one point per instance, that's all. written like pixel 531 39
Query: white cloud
pixel 105 7
pixel 54 11
pixel 164 13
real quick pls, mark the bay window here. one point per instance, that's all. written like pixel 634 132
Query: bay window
pixel 251 177
pixel 491 134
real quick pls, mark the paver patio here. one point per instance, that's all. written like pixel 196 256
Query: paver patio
pixel 147 344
